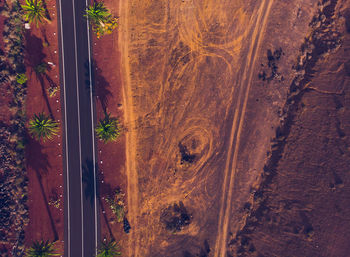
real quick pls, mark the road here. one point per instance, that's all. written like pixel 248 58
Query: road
pixel 81 216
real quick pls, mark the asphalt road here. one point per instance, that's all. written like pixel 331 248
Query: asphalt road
pixel 81 216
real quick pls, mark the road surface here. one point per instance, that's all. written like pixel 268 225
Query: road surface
pixel 81 226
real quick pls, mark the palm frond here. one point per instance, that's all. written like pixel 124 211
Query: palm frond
pixel 98 13
pixel 34 12
pixel 41 249
pixel 101 19
pixel 43 127
pixel 109 248
pixel 108 128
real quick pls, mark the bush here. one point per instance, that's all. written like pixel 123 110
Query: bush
pixel 41 68
pixel 116 203
pixel 21 78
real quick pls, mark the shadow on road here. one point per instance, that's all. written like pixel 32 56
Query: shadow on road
pixel 89 180
pixel 101 88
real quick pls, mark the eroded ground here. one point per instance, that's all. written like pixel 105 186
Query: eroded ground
pixel 205 84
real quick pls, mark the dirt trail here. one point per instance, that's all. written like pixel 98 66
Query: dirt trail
pixel 130 145
pixel 245 83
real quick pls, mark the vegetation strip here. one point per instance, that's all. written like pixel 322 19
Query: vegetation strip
pixel 13 179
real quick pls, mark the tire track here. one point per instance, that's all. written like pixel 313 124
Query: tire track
pixel 231 162
pixel 130 145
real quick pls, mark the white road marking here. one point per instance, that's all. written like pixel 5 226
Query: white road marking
pixel 92 132
pixel 65 127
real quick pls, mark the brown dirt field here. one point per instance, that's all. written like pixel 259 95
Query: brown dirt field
pixel 44 159
pixel 190 74
pixel 301 207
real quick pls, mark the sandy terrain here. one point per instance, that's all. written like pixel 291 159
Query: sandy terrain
pixel 205 85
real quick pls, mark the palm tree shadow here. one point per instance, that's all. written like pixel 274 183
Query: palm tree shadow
pixel 37 160
pixel 34 56
pixel 101 88
pixel 89 180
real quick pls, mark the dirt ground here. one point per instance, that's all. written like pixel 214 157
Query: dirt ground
pixel 44 159
pixel 111 156
pixel 205 88
pixel 301 207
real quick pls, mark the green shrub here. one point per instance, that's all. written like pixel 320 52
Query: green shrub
pixel 21 78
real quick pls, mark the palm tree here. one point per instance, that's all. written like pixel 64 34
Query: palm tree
pixel 109 248
pixel 101 19
pixel 34 12
pixel 98 14
pixel 43 127
pixel 41 249
pixel 108 128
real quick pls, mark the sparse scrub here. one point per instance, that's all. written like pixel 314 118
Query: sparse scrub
pixel 175 217
pixel 13 197
pixel 116 203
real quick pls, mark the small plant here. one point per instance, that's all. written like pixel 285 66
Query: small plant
pixel 21 78
pixel 34 12
pixel 108 129
pixel 54 200
pixel 175 217
pixel 109 248
pixel 41 68
pixel 116 203
pixel 21 144
pixel 43 127
pixel 101 19
pixel 41 249
pixel 52 91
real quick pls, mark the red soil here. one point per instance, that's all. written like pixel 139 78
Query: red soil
pixel 111 156
pixel 44 161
